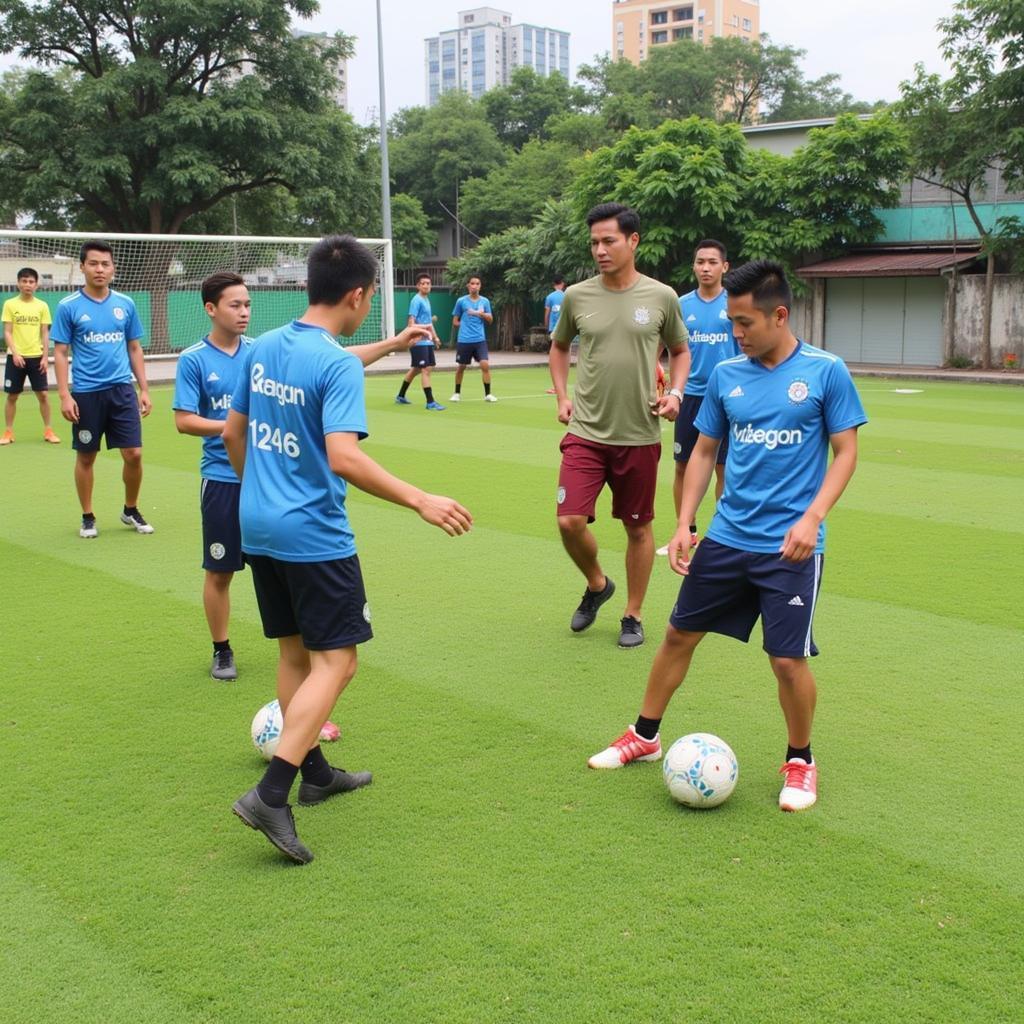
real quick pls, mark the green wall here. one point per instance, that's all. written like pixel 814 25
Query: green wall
pixel 936 223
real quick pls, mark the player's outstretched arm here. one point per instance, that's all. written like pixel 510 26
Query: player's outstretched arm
pixel 401 342
pixel 236 430
pixel 196 425
pixel 348 460
pixel 802 538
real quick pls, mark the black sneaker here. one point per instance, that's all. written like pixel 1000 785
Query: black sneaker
pixel 133 517
pixel 276 823
pixel 632 632
pixel 223 666
pixel 343 782
pixel 592 600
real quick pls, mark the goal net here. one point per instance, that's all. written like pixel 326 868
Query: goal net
pixel 163 274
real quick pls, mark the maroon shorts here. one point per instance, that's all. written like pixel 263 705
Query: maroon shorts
pixel 631 471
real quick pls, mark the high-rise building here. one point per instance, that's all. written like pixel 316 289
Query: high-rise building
pixel 486 48
pixel 638 26
pixel 341 74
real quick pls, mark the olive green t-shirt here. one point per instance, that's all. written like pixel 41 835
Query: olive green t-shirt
pixel 621 335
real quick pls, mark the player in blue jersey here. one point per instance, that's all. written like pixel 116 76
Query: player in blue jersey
pixel 102 331
pixel 711 341
pixel 422 352
pixel 783 404
pixel 471 312
pixel 208 374
pixel 293 436
pixel 553 309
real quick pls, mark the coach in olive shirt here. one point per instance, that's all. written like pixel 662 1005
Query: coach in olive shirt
pixel 623 320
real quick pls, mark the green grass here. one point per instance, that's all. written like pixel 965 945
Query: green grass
pixel 487 875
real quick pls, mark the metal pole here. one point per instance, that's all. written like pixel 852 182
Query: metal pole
pixel 385 171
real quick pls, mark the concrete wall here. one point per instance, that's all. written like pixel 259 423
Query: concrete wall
pixel 1007 316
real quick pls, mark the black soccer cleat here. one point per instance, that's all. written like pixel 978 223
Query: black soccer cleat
pixel 343 782
pixel 584 616
pixel 276 823
pixel 631 633
pixel 223 665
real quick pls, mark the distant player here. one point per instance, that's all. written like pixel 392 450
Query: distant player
pixel 422 352
pixel 471 313
pixel 293 436
pixel 623 320
pixel 102 331
pixel 783 404
pixel 553 309
pixel 26 321
pixel 711 341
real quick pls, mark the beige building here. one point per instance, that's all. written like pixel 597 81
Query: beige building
pixel 640 25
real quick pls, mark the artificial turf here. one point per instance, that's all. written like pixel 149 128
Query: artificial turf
pixel 487 875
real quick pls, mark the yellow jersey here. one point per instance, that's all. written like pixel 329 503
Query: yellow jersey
pixel 26 318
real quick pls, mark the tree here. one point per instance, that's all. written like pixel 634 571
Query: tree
pixel 519 111
pixel 411 231
pixel 145 115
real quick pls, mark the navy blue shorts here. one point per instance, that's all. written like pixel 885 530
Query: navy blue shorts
pixel 687 433
pixel 323 602
pixel 222 533
pixel 422 355
pixel 14 376
pixel 113 412
pixel 467 351
pixel 727 590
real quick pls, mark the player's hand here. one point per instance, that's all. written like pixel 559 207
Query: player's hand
pixel 145 405
pixel 412 334
pixel 19 360
pixel 564 410
pixel 667 407
pixel 69 409
pixel 800 541
pixel 680 551
pixel 446 513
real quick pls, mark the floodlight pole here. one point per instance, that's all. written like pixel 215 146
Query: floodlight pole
pixel 385 170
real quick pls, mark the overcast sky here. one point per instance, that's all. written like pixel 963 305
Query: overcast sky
pixel 871 44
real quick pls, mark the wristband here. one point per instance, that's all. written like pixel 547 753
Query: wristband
pixel 675 393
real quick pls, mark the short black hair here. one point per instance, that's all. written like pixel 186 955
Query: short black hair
pixel 711 243
pixel 216 284
pixel 95 245
pixel 474 277
pixel 338 265
pixel 419 277
pixel 28 272
pixel 627 219
pixel 764 280
pixel 558 279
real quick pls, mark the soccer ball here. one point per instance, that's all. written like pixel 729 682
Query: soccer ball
pixel 266 729
pixel 700 770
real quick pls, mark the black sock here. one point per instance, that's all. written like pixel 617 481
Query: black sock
pixel 129 509
pixel 428 393
pixel 221 645
pixel 487 387
pixel 274 787
pixel 647 727
pixel 458 389
pixel 315 768
pixel 801 752
pixel 88 517
pixel 402 390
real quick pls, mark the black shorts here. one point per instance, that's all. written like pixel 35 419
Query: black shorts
pixel 222 532
pixel 422 355
pixel 113 412
pixel 687 433
pixel 727 590
pixel 323 602
pixel 467 351
pixel 14 376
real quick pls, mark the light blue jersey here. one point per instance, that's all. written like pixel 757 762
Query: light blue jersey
pixel 98 333
pixel 711 340
pixel 421 313
pixel 206 379
pixel 779 422
pixel 554 303
pixel 471 328
pixel 298 384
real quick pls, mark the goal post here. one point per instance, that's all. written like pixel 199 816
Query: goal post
pixel 163 274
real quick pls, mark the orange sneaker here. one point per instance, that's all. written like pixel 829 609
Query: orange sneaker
pixel 8 438
pixel 800 789
pixel 49 435
pixel 630 746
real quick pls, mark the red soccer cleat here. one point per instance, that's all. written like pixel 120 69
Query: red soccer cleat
pixel 628 747
pixel 800 789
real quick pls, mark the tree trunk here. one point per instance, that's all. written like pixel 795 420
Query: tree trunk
pixel 511 324
pixel 949 321
pixel 986 317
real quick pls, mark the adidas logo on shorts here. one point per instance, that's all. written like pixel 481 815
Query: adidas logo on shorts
pixel 796 602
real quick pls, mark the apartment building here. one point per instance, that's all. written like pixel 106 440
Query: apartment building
pixel 638 26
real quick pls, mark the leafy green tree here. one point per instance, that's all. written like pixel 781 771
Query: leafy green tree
pixel 145 115
pixel 412 234
pixel 520 111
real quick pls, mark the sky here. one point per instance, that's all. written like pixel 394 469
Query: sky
pixel 872 44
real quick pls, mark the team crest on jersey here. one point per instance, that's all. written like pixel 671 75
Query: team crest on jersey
pixel 798 391
pixel 217 551
pixel 642 315
pixel 561 495
pixel 118 313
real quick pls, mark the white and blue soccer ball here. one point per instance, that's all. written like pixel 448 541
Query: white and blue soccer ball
pixel 266 729
pixel 700 770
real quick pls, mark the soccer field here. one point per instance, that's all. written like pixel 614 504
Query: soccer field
pixel 487 874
